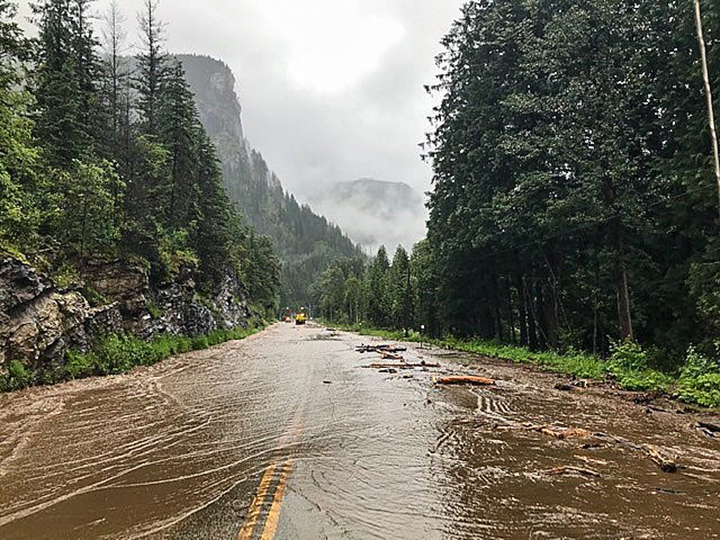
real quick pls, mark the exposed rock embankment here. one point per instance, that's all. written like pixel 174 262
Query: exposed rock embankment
pixel 40 322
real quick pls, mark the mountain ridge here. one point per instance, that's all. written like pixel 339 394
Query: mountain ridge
pixel 306 242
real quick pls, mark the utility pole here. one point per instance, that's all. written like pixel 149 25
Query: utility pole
pixel 708 95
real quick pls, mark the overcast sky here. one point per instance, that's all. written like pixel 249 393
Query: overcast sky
pixel 331 90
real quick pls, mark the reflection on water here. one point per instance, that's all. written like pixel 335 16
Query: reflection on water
pixel 374 455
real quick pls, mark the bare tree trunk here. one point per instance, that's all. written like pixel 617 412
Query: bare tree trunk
pixel 532 316
pixel 708 95
pixel 619 271
pixel 522 308
pixel 623 298
pixel 511 310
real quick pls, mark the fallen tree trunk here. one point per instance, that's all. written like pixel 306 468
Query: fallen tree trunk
pixel 660 457
pixel 379 349
pixel 390 356
pixel 570 470
pixel 466 379
pixel 402 366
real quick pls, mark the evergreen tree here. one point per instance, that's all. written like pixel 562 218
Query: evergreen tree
pixel 376 296
pixel 116 78
pixel 66 74
pixel 19 157
pixel 179 131
pixel 400 291
pixel 151 66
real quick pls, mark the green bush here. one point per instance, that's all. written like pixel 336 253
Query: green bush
pixel 118 353
pixel 700 380
pixel 630 366
pixel 17 378
pixel 627 356
pixel 78 366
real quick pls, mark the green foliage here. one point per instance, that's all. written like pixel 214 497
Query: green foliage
pixel 703 390
pixel 85 198
pixel 700 379
pixel 560 179
pixel 17 377
pixel 119 353
pixel 88 173
pixel 19 171
pixel 155 311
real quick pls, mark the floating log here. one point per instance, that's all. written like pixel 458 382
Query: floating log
pixel 709 427
pixel 390 356
pixel 573 470
pixel 466 379
pixel 661 458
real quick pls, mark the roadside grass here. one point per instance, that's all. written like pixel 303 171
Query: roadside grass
pixel 629 365
pixel 119 353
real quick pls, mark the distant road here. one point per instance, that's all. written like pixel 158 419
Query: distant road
pixel 285 435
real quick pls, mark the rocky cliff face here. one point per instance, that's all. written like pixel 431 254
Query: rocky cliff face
pixel 39 322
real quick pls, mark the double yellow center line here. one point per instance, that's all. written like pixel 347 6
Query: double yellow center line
pixel 272 490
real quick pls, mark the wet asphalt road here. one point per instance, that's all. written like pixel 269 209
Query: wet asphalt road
pixel 285 435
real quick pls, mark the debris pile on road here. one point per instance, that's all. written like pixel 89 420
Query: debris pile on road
pixel 382 349
pixel 466 379
pixel 661 457
pixel 403 365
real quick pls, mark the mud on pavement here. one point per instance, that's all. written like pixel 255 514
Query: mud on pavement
pixel 288 435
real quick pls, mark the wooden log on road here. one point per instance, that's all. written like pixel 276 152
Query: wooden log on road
pixel 661 458
pixel 556 432
pixel 402 366
pixel 573 470
pixel 466 379
pixel 380 349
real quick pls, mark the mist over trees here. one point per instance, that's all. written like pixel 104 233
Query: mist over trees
pixel 103 158
pixel 573 203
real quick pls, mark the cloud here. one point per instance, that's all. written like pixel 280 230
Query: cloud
pixel 332 90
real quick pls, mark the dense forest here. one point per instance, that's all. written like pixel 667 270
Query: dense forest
pixel 102 157
pixel 305 241
pixel 574 204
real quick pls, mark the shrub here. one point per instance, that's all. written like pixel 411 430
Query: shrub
pixel 629 364
pixel 700 380
pixel 17 377
pixel 627 356
pixel 78 365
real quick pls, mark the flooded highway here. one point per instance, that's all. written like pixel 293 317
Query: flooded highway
pixel 287 435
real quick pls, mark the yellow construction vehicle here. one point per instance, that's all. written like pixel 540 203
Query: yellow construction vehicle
pixel 301 318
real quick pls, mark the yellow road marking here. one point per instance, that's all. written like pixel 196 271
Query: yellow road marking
pixel 263 492
pixel 271 524
pixel 257 504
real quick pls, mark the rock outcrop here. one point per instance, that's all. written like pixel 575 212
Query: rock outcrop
pixel 39 322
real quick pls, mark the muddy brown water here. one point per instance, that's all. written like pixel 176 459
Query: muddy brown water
pixel 179 450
